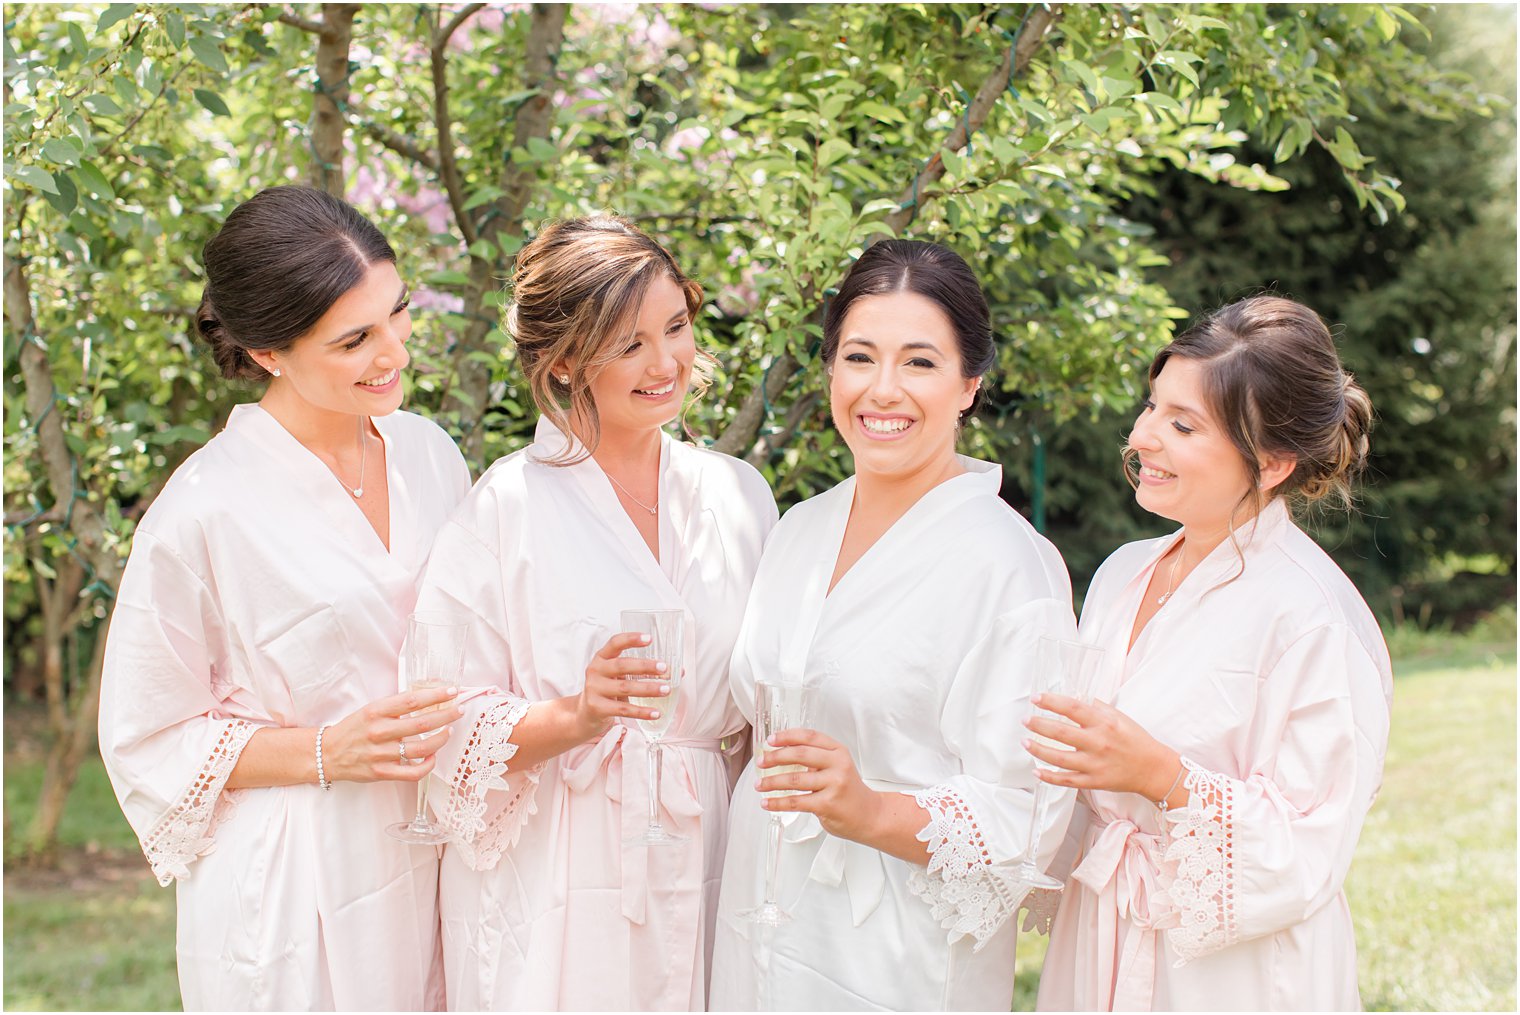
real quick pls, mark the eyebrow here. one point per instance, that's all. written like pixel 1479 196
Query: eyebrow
pixel 406 291
pixel 673 317
pixel 906 345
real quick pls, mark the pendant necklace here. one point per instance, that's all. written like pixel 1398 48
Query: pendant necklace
pixel 358 491
pixel 631 497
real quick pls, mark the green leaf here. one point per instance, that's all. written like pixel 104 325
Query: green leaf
pixel 1293 140
pixel 880 111
pixel 483 249
pixel 449 277
pixel 94 181
pixel 35 177
pixel 62 151
pixel 67 196
pixel 112 14
pixel 174 26
pixel 212 101
pixel 484 195
pixel 208 53
pixel 102 105
pixel 832 150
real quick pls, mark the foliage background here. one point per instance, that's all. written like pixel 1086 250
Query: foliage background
pixel 1109 169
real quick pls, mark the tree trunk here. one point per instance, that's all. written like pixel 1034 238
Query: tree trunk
pixel 331 101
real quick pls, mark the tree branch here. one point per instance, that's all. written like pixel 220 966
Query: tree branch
pixel 400 144
pixel 304 24
pixel 448 165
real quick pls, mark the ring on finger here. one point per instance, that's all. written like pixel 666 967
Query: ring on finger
pixel 401 748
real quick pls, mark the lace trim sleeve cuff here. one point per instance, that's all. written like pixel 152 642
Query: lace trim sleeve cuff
pixel 185 831
pixel 965 892
pixel 481 826
pixel 1199 868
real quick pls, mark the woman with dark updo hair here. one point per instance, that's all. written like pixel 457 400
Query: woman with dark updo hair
pixel 1223 789
pixel 912 599
pixel 248 714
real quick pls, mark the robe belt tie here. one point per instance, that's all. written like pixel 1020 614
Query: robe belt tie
pixel 623 750
pixel 1121 858
pixel 861 869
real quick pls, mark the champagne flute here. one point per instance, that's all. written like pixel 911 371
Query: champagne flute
pixel 666 630
pixel 434 657
pixel 1068 668
pixel 778 707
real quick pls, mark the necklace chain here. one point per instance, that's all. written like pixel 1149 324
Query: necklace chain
pixel 358 491
pixel 631 497
pixel 1171 580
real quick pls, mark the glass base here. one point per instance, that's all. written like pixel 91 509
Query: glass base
pixel 1036 879
pixel 767 913
pixel 654 837
pixel 418 833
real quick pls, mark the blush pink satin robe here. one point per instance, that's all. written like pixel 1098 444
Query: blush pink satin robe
pixel 257 595
pixel 1275 688
pixel 543 904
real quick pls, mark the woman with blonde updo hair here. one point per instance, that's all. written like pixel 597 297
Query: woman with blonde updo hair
pixel 545 902
pixel 1227 769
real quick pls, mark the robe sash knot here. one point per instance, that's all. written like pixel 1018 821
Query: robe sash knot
pixel 620 750
pixel 1122 862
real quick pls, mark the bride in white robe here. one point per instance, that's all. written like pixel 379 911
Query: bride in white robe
pixel 912 598
pixel 264 599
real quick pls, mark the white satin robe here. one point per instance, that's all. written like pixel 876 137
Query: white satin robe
pixel 257 595
pixel 1275 688
pixel 922 656
pixel 543 905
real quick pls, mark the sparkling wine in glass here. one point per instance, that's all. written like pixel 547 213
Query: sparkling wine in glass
pixel 1068 668
pixel 434 657
pixel 778 706
pixel 666 630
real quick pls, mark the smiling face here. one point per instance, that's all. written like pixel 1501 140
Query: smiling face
pixel 643 388
pixel 1190 470
pixel 351 360
pixel 896 390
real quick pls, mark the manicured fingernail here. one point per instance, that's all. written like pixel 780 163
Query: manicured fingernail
pixel 1025 743
pixel 661 667
pixel 757 784
pixel 654 713
pixel 664 689
pixel 452 691
pixel 771 740
pixel 643 639
pixel 1038 699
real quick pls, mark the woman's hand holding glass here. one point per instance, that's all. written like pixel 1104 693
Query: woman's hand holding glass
pixel 1108 750
pixel 368 745
pixel 612 678
pixel 829 785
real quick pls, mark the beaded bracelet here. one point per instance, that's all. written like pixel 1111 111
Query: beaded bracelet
pixel 321 774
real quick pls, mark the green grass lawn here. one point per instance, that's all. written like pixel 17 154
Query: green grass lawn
pixel 1432 889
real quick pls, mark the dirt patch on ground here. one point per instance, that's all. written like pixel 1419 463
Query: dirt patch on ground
pixel 80 870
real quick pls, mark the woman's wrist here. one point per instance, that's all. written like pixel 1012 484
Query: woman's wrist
pixel 1166 780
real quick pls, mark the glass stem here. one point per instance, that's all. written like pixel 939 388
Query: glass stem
pixel 654 784
pixel 772 858
pixel 422 791
pixel 1030 867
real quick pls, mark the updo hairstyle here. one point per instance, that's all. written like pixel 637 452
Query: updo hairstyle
pixel 576 295
pixel 936 273
pixel 1273 381
pixel 279 262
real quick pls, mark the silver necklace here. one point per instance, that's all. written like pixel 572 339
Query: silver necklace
pixel 631 497
pixel 1171 581
pixel 358 491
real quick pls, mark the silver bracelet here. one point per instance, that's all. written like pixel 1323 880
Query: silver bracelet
pixel 1162 803
pixel 321 774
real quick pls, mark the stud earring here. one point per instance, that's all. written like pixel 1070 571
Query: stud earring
pixel 564 379
pixel 277 371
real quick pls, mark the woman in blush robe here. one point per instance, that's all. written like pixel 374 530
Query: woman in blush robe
pixel 913 600
pixel 249 718
pixel 1224 787
pixel 545 904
